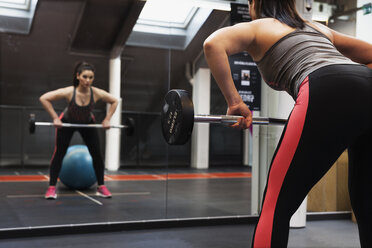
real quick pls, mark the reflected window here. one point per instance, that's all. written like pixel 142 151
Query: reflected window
pixel 16 16
pixel 172 24
pixel 167 13
pixel 15 4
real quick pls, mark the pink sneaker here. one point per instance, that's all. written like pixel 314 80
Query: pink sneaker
pixel 51 193
pixel 102 191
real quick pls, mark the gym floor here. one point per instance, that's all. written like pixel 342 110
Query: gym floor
pixel 322 234
pixel 148 195
pixel 137 195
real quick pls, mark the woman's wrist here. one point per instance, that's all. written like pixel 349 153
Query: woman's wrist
pixel 234 101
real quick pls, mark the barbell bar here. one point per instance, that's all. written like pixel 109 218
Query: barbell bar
pixel 231 119
pixel 177 118
pixel 128 126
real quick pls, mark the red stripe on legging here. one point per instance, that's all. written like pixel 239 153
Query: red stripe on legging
pixel 280 167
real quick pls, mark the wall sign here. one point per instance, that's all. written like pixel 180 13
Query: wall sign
pixel 247 79
pixel 239 13
pixel 244 70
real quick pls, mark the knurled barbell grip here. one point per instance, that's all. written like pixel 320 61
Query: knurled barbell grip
pixel 216 118
pixel 231 119
pixel 79 125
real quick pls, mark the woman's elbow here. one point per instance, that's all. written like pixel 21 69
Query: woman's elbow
pixel 114 101
pixel 208 45
pixel 42 98
pixel 215 43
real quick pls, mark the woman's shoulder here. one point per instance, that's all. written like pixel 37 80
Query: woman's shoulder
pixel 268 21
pixel 259 23
pixel 97 93
pixel 321 28
pixel 268 27
pixel 96 90
pixel 67 90
pixel 60 93
pixel 63 90
pixel 100 94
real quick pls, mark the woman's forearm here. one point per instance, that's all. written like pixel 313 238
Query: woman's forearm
pixel 48 107
pixel 221 44
pixel 111 110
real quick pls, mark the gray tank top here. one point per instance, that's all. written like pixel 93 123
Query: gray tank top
pixel 291 59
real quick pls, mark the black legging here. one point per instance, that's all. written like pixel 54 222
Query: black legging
pixel 63 138
pixel 333 111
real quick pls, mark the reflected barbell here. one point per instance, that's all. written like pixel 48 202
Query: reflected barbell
pixel 177 118
pixel 129 125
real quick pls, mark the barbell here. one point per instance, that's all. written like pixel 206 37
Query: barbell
pixel 129 125
pixel 177 118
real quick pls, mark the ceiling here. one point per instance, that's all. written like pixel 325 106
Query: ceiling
pixel 104 26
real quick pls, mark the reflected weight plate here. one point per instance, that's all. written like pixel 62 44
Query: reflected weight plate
pixel 31 123
pixel 130 123
pixel 177 117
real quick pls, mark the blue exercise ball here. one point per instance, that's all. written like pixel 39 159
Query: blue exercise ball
pixel 77 170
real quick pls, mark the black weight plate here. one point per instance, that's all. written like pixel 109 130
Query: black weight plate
pixel 130 123
pixel 177 117
pixel 31 123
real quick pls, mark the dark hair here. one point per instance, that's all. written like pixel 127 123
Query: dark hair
pixel 79 68
pixel 282 10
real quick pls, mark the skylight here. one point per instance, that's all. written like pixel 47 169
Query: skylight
pixel 166 13
pixel 16 16
pixel 15 4
pixel 173 23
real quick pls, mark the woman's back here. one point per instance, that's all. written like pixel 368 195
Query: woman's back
pixel 269 30
pixel 288 55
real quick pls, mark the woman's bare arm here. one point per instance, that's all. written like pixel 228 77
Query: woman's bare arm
pixel 217 48
pixel 107 98
pixel 357 50
pixel 59 94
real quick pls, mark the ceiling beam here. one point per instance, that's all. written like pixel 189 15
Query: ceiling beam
pixel 132 16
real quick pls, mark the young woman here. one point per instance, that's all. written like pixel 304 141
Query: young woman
pixel 326 73
pixel 81 98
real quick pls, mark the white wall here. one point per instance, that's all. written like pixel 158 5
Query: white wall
pixel 201 92
pixel 363 23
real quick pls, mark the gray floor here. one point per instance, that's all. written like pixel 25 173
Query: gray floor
pixel 22 204
pixel 324 234
pixel 26 207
